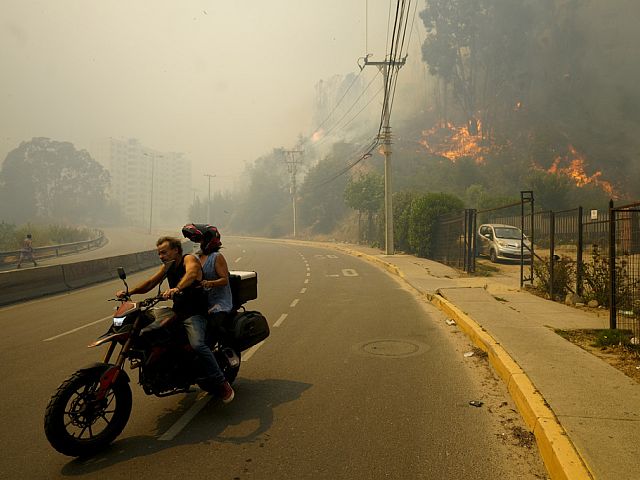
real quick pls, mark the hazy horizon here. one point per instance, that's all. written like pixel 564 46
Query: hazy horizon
pixel 222 83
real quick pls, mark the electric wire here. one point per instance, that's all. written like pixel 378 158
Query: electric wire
pixel 339 102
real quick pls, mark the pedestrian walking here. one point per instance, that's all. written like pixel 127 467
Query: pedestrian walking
pixel 26 253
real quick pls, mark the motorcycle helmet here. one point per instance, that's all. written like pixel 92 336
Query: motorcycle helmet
pixel 206 235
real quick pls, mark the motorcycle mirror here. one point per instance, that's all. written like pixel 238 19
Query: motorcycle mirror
pixel 121 273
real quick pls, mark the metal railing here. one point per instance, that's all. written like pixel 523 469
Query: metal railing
pixel 50 251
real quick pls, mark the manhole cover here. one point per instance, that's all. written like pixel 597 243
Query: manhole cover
pixel 391 348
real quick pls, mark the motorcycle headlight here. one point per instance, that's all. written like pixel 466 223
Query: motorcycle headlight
pixel 118 321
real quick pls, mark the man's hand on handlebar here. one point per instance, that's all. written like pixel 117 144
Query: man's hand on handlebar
pixel 167 294
pixel 121 294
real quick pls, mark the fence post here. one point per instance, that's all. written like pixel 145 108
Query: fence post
pixel 612 267
pixel 552 252
pixel 579 264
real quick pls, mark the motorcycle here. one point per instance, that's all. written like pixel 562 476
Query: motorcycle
pixel 92 407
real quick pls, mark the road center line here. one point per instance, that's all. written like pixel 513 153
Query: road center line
pixel 238 259
pixel 303 290
pixel 294 303
pixel 306 280
pixel 251 351
pixel 76 329
pixel 280 320
pixel 184 420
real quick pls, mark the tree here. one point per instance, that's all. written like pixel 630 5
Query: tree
pixel 425 209
pixel 265 198
pixel 365 193
pixel 47 179
pixel 479 47
pixel 322 203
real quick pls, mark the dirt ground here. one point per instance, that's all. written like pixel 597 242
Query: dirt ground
pixel 625 358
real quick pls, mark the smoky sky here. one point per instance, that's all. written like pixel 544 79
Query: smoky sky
pixel 223 82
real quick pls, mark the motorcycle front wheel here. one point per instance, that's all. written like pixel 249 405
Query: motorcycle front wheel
pixel 76 423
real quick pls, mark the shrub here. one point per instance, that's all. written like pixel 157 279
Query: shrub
pixel 563 275
pixel 425 209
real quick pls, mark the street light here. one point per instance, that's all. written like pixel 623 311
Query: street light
pixel 153 171
pixel 210 176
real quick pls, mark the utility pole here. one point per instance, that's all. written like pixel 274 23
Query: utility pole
pixel 208 175
pixel 153 168
pixel 292 166
pixel 385 148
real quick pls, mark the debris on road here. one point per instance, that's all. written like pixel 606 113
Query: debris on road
pixel 450 321
pixel 476 403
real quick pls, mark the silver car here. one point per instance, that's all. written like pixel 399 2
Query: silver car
pixel 502 242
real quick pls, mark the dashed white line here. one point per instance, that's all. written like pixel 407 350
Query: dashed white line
pixel 238 259
pixel 308 274
pixel 303 290
pixel 76 329
pixel 294 303
pixel 306 280
pixel 176 428
pixel 251 351
pixel 280 320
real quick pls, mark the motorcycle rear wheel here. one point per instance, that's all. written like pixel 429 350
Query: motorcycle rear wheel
pixel 76 424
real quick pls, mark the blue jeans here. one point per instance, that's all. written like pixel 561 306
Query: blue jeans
pixel 196 328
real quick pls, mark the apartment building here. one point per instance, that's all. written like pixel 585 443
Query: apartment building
pixel 153 188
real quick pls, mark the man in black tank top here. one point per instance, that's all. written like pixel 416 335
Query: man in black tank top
pixel 184 277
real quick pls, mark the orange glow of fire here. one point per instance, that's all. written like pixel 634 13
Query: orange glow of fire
pixel 455 143
pixel 317 135
pixel 575 170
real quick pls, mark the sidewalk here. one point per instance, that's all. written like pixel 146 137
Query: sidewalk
pixel 584 413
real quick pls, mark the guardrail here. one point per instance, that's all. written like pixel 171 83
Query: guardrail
pixel 7 258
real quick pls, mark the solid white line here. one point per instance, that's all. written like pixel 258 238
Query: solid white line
pixel 76 329
pixel 184 420
pixel 294 303
pixel 251 351
pixel 303 290
pixel 280 320
pixel 238 259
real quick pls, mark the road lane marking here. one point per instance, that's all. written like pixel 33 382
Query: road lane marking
pixel 303 290
pixel 308 274
pixel 308 269
pixel 306 280
pixel 280 320
pixel 176 428
pixel 251 351
pixel 76 329
pixel 294 303
pixel 349 272
pixel 238 259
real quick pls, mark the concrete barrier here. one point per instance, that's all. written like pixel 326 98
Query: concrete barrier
pixel 81 274
pixel 19 285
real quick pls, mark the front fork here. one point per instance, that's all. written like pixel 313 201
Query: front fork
pixel 110 376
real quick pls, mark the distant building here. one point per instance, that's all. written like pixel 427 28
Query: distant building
pixel 137 171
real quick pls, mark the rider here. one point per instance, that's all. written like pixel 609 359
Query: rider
pixel 184 276
pixel 215 270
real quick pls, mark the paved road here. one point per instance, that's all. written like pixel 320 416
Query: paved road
pixel 359 379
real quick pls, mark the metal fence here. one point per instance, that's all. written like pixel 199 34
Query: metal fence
pixel 624 261
pixel 454 240
pixel 594 254
pixel 8 258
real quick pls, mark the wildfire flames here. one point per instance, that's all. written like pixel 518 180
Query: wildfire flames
pixel 454 142
pixel 574 169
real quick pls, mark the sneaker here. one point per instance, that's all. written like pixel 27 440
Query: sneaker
pixel 225 392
